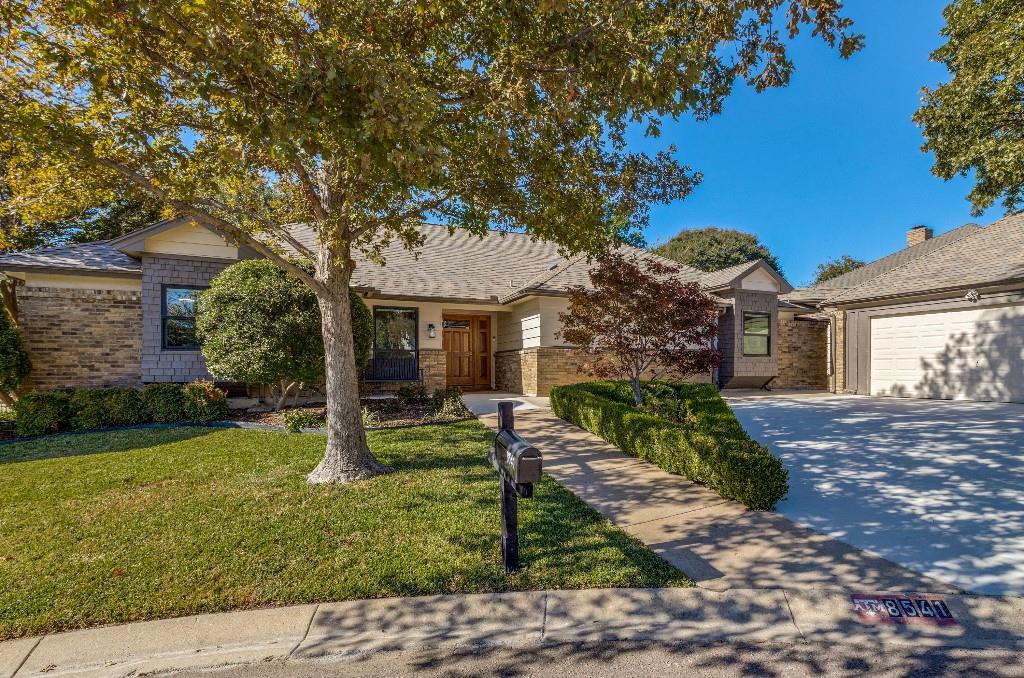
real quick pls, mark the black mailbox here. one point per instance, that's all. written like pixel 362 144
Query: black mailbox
pixel 516 458
pixel 518 464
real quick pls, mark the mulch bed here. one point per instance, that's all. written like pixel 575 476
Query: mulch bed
pixel 389 414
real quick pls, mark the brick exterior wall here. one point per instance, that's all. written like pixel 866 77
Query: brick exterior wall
pixel 516 371
pixel 159 364
pixel 81 337
pixel 803 353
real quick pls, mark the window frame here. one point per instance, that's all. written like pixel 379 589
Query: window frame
pixel 164 317
pixel 416 327
pixel 767 335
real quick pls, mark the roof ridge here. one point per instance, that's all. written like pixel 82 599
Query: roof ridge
pixel 826 286
pixel 898 267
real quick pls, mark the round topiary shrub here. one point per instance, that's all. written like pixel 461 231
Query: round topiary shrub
pixel 259 325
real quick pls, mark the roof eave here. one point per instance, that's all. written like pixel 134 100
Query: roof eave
pixel 73 270
pixel 837 302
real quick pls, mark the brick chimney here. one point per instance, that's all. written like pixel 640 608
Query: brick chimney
pixel 918 234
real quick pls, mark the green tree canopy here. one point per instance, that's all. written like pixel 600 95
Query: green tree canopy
pixel 258 325
pixel 712 249
pixel 833 268
pixel 111 216
pixel 975 122
pixel 365 118
pixel 14 362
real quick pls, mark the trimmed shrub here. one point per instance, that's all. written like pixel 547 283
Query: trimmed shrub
pixel 204 402
pixel 42 412
pixel 447 402
pixel 705 443
pixel 413 394
pixel 125 407
pixel 103 407
pixel 295 420
pixel 164 403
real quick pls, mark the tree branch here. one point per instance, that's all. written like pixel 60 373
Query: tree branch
pixel 220 225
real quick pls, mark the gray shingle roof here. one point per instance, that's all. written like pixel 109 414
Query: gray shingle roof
pixel 98 256
pixel 984 256
pixel 457 266
pixel 575 272
pixel 835 286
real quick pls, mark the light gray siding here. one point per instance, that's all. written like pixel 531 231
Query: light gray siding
pixel 159 364
pixel 738 370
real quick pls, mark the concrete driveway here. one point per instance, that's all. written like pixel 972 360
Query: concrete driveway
pixel 935 486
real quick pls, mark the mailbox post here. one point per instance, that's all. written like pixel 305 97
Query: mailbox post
pixel 519 466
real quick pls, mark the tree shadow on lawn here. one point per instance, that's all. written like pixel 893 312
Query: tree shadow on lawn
pixel 98 442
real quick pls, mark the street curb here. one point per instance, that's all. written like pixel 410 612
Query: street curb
pixel 513 619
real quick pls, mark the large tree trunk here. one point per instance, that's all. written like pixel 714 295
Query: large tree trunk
pixel 348 457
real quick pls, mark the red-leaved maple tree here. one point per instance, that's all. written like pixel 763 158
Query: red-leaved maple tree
pixel 641 320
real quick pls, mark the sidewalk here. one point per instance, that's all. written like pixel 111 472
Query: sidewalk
pixel 716 541
pixel 529 619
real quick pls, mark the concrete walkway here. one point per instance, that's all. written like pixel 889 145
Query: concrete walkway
pixel 716 541
pixel 530 619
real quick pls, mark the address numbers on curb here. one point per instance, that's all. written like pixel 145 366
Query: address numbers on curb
pixel 894 608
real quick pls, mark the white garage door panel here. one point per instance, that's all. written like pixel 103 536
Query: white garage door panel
pixel 975 354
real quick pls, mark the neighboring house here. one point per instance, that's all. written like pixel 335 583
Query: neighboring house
pixel 942 318
pixel 479 313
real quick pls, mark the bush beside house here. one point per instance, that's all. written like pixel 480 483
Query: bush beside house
pixel 42 412
pixel 682 428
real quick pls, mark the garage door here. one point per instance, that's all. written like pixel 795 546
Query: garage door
pixel 971 354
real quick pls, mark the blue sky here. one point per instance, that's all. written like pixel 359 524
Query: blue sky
pixel 830 165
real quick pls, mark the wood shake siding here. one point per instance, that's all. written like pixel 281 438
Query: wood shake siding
pixel 159 364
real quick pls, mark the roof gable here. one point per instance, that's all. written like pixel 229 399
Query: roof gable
pixel 732 277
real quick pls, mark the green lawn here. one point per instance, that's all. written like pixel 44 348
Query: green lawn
pixel 118 526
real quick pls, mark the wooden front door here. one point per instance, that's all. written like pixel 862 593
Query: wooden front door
pixel 467 341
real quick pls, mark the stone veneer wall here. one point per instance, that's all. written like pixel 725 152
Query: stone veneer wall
pixel 533 371
pixel 159 364
pixel 803 354
pixel 434 364
pixel 81 337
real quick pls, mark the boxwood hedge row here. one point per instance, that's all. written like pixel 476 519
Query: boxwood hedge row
pixel 707 444
pixel 40 412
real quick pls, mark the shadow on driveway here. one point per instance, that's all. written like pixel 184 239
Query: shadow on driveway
pixel 936 486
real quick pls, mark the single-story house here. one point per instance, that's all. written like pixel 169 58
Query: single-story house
pixel 476 312
pixel 942 318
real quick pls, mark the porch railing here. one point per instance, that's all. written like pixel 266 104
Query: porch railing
pixel 393 366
